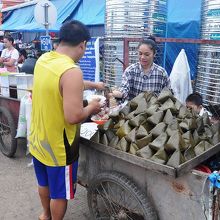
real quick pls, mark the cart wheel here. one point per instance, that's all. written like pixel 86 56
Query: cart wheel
pixel 112 196
pixel 8 143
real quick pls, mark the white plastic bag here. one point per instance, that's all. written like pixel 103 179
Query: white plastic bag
pixel 22 123
pixel 180 77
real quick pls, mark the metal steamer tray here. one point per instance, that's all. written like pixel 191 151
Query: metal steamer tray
pixel 151 165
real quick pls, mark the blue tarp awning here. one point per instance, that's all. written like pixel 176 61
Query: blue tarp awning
pixel 18 17
pixel 90 12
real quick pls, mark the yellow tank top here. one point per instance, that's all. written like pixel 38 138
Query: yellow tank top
pixel 53 141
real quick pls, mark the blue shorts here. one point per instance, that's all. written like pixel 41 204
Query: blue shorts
pixel 60 180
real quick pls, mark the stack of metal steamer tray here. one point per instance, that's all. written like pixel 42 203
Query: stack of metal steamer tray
pixel 208 75
pixel 130 19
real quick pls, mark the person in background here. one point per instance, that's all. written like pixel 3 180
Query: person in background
pixel 194 101
pixel 55 43
pixel 57 111
pixel 10 55
pixel 22 56
pixel 144 75
pixel 215 111
pixel 1 45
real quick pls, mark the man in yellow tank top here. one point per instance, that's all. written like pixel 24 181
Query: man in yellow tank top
pixel 57 112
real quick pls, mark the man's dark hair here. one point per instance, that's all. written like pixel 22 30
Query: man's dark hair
pixel 73 33
pixel 9 38
pixel 195 98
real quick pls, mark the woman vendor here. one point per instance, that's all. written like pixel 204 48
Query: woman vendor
pixel 144 75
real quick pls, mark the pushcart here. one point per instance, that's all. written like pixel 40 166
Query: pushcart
pixel 9 112
pixel 124 186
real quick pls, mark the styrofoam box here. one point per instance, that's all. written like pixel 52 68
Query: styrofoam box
pixel 24 83
pixel 5 82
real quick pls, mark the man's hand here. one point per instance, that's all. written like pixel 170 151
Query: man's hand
pixel 95 106
pixel 100 86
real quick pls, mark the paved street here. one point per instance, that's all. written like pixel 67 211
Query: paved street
pixel 18 191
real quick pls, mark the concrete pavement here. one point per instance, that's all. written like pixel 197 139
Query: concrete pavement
pixel 18 191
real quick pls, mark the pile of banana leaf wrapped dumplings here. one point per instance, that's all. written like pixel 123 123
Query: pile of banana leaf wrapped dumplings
pixel 160 129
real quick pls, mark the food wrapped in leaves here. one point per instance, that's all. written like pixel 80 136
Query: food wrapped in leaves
pixel 142 107
pixel 144 141
pixel 215 128
pixel 96 137
pixel 208 132
pixel 188 124
pixel 152 100
pixel 123 130
pixel 176 159
pixel 206 119
pixel 158 129
pixel 175 142
pixel 152 109
pixel 168 104
pixel 134 102
pixel 159 142
pixel 156 118
pixel 168 118
pixel 114 142
pixel 119 124
pixel 184 112
pixel 104 139
pixel 125 111
pixel 178 104
pixel 133 148
pixel 149 95
pixel 188 138
pixel 110 134
pixel 130 115
pixel 189 153
pixel 141 132
pixel 196 137
pixel 216 138
pixel 160 157
pixel 165 95
pixel 124 145
pixel 173 126
pixel 131 136
pixel 200 125
pixel 145 152
pixel 115 115
pixel 201 147
pixel 137 120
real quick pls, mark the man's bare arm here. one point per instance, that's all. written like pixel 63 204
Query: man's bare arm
pixel 71 87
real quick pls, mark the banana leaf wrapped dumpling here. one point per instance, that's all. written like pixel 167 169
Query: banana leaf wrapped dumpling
pixel 144 141
pixel 156 118
pixel 188 138
pixel 145 152
pixel 123 145
pixel 189 153
pixel 200 125
pixel 119 124
pixel 159 142
pixel 96 137
pixel 152 109
pixel 188 124
pixel 175 142
pixel 160 157
pixel 141 132
pixel 130 115
pixel 165 95
pixel 184 112
pixel 104 139
pixel 131 136
pixel 176 159
pixel 168 118
pixel 125 111
pixel 142 107
pixel 168 104
pixel 133 148
pixel 134 102
pixel 158 129
pixel 137 120
pixel 173 126
pixel 201 147
pixel 123 130
pixel 114 141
